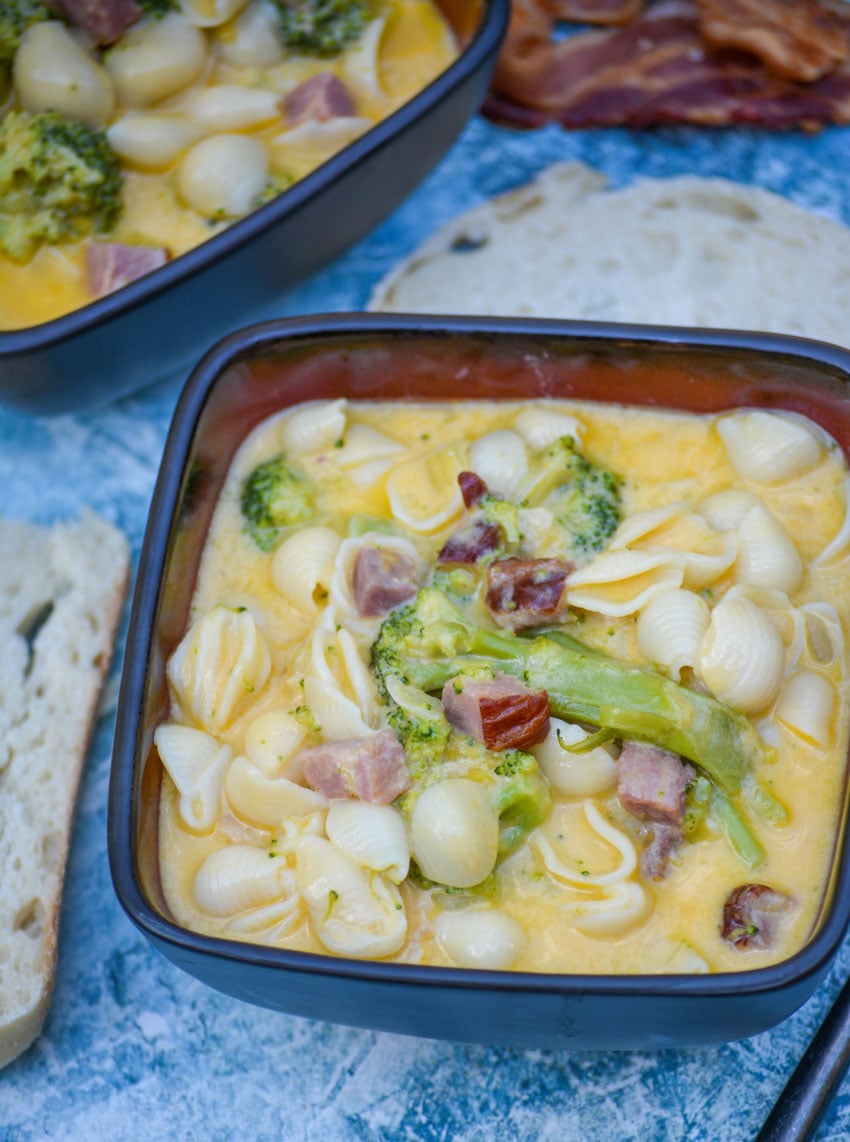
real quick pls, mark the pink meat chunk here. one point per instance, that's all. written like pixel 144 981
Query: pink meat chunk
pixel 104 20
pixel 381 580
pixel 111 265
pixel 471 542
pixel 752 915
pixel 371 769
pixel 499 712
pixel 524 593
pixel 472 488
pixel 664 843
pixel 319 98
pixel 651 783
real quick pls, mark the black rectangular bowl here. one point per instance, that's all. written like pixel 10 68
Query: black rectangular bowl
pixel 370 357
pixel 165 320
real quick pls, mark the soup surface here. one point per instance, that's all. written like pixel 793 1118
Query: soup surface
pixel 208 112
pixel 373 751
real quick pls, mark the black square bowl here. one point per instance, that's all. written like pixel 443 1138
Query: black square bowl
pixel 165 320
pixel 266 368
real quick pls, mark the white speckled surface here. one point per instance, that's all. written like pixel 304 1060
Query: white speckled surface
pixel 133 1048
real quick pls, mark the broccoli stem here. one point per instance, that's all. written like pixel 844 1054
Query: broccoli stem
pixel 586 686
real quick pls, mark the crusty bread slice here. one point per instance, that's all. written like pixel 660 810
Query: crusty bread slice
pixel 678 251
pixel 61 594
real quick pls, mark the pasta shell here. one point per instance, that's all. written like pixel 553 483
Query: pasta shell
pixel 270 921
pixel 454 833
pixel 250 39
pixel 619 583
pixel 577 774
pixel 823 636
pixel 156 59
pixel 313 426
pixel 424 493
pixel 272 742
pixel 807 706
pixel 195 762
pixel 210 13
pixel 679 958
pixel 480 938
pixel 647 527
pixel 766 556
pixel 223 176
pixel 363 444
pixel 238 877
pixel 583 877
pixel 768 447
pixel 501 460
pixel 670 629
pixel 303 565
pixel 150 141
pixel 296 152
pixel 725 510
pixel 219 667
pixel 742 657
pixel 354 912
pixel 233 107
pixel 267 801
pixel 362 60
pixel 542 426
pixel 338 716
pixel 781 612
pixel 373 835
pixel 622 907
pixel 337 662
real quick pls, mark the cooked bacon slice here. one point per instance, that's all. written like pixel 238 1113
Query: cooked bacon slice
pixel 321 97
pixel 382 579
pixel 111 265
pixel 471 542
pixel 595 11
pixel 472 488
pixel 656 70
pixel 752 915
pixel 104 20
pixel 797 39
pixel 524 593
pixel 372 769
pixel 499 712
pixel 651 783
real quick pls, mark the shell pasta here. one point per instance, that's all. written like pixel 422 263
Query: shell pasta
pixel 506 686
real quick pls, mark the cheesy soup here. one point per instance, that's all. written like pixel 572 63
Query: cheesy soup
pixel 181 121
pixel 553 687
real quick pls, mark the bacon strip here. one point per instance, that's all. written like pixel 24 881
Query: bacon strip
pixel 751 915
pixel 656 70
pixel 524 593
pixel 797 39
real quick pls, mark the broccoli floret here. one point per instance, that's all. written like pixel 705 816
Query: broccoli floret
pixel 584 498
pixel 275 497
pixel 15 17
pixel 59 181
pixel 156 9
pixel 430 641
pixel 322 27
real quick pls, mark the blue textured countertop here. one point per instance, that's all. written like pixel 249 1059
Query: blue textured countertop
pixel 133 1048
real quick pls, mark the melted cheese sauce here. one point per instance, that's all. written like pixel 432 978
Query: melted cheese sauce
pixel 663 458
pixel 415 47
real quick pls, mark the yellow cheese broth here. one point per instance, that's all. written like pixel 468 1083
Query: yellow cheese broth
pixel 415 47
pixel 663 457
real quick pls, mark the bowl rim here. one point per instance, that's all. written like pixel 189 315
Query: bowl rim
pixel 810 961
pixel 483 42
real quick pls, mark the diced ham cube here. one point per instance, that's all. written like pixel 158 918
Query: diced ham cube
pixel 752 915
pixel 319 98
pixel 664 842
pixel 472 488
pixel 651 783
pixel 471 542
pixel 104 20
pixel 523 593
pixel 499 712
pixel 371 769
pixel 111 265
pixel 381 580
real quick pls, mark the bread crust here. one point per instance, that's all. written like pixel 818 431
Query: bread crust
pixel 62 590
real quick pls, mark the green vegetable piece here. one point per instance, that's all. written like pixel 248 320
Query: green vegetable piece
pixel 15 17
pixel 59 182
pixel 584 498
pixel 321 27
pixel 275 497
pixel 736 829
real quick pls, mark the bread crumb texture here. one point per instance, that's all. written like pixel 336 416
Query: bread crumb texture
pixel 61 594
